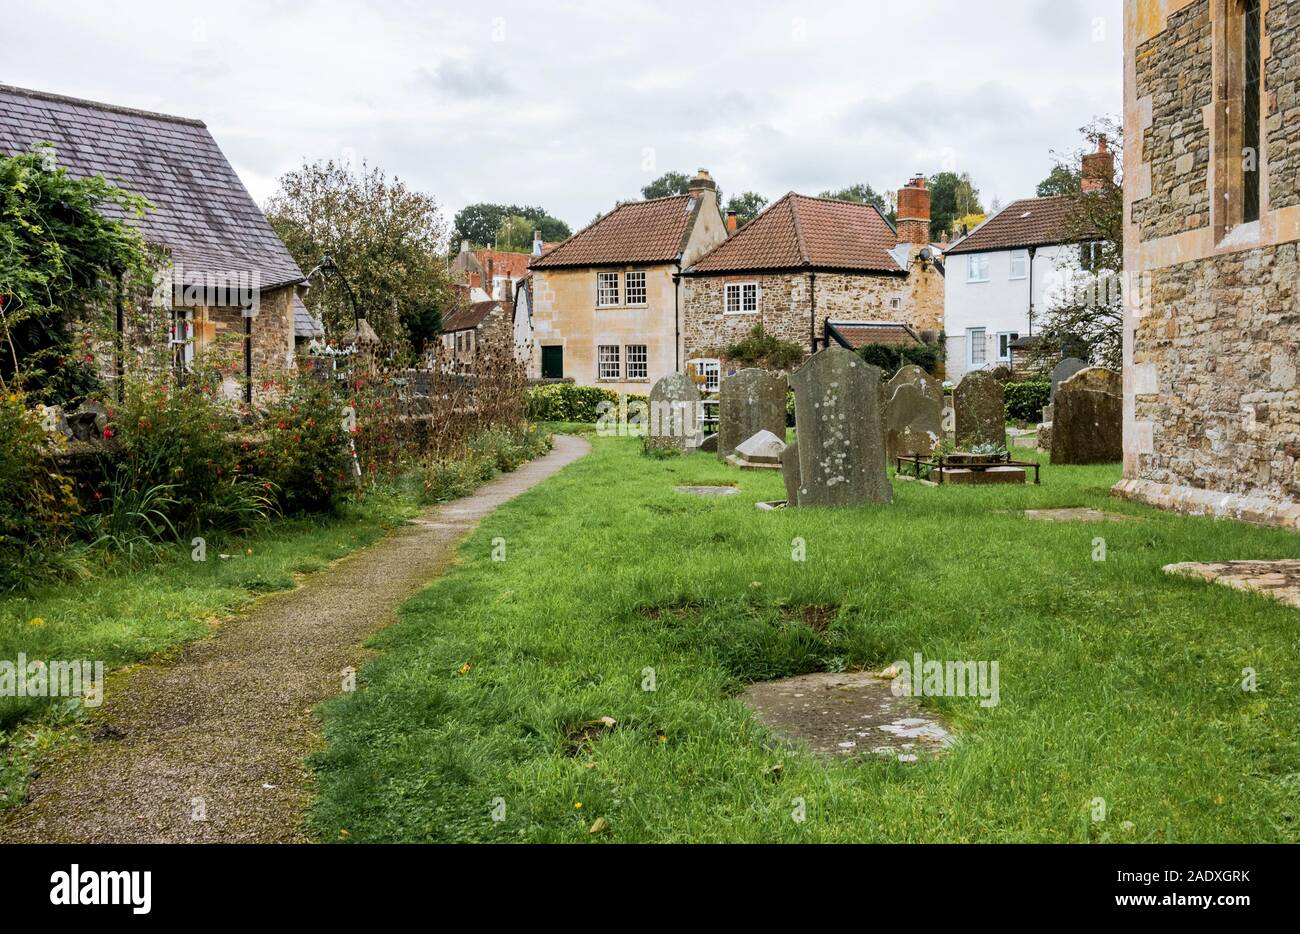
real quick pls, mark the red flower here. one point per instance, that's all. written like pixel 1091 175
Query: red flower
pixel 108 432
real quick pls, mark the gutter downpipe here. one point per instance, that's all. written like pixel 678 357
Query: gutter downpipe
pixel 1033 252
pixel 677 318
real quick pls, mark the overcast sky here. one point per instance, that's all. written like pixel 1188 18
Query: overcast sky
pixel 574 105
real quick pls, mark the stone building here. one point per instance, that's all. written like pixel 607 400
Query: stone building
pixel 1212 220
pixel 606 308
pixel 231 279
pixel 472 328
pixel 805 263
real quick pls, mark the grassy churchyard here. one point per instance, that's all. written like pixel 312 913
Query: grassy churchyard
pixel 1121 712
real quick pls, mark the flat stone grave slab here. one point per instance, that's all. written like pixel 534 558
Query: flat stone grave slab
pixel 708 490
pixel 1277 579
pixel 847 714
pixel 989 476
pixel 1077 514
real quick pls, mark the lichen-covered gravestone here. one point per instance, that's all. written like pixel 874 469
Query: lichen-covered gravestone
pixel 1088 418
pixel 913 413
pixel 980 410
pixel 841 442
pixel 751 401
pixel 674 415
pixel 1063 371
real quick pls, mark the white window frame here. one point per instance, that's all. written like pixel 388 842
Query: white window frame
pixel 895 304
pixel 746 298
pixel 609 365
pixel 974 262
pixel 606 288
pixel 710 369
pixel 1022 256
pixel 1010 336
pixel 638 361
pixel 635 275
pixel 972 343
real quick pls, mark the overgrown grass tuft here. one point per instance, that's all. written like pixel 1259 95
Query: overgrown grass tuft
pixel 1117 681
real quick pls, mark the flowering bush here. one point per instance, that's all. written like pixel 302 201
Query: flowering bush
pixel 37 505
pixel 303 454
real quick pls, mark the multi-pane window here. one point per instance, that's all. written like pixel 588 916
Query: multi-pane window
pixel 1250 112
pixel 634 288
pixel 711 370
pixel 977 267
pixel 975 338
pixel 606 288
pixel 182 339
pixel 638 365
pixel 741 298
pixel 1004 344
pixel 1090 255
pixel 1019 264
pixel 609 362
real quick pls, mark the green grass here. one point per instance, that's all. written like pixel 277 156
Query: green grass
pixel 124 615
pixel 1117 681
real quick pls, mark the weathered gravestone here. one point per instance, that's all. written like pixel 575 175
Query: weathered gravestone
pixel 763 451
pixel 841 442
pixel 913 413
pixel 674 415
pixel 1088 418
pixel 1063 371
pixel 790 473
pixel 751 401
pixel 980 410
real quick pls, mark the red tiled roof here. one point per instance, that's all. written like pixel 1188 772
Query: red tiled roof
pixel 467 317
pixel 800 232
pixel 1024 223
pixel 855 334
pixel 636 232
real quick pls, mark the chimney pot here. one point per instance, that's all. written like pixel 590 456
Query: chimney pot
pixel 732 222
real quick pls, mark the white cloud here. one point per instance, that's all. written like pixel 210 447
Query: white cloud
pixel 561 104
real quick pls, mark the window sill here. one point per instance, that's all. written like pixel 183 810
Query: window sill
pixel 977 281
pixel 739 314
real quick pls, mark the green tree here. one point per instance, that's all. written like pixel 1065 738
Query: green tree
pixel 479 224
pixel 862 193
pixel 62 259
pixel 951 196
pixel 747 206
pixel 385 238
pixel 666 185
pixel 515 234
pixel 1062 180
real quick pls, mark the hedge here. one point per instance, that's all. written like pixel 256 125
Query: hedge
pixel 565 402
pixel 1025 400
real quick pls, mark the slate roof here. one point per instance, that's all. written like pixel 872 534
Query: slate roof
pixel 855 334
pixel 202 211
pixel 467 317
pixel 304 325
pixel 652 231
pixel 799 232
pixel 1025 223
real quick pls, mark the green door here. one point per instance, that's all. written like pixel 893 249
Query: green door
pixel 552 363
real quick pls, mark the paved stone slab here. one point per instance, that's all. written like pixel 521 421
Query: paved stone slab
pixel 762 451
pixel 751 401
pixel 1277 579
pixel 708 490
pixel 847 714
pixel 1076 514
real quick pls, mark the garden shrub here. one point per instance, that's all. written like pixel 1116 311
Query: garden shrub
pixel 892 358
pixel 492 451
pixel 760 348
pixel 37 505
pixel 1025 400
pixel 566 402
pixel 303 456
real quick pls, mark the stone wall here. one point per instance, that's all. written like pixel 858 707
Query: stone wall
pixel 1282 78
pixel 1174 69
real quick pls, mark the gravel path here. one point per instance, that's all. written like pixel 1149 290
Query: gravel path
pixel 229 720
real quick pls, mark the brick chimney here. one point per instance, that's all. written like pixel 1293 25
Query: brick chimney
pixel 732 222
pixel 914 212
pixel 1098 168
pixel 489 283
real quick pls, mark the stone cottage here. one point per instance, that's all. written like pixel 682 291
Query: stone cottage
pixel 812 270
pixel 231 277
pixel 472 329
pixel 1212 221
pixel 606 303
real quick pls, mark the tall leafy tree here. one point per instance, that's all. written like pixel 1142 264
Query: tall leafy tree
pixel 479 224
pixel 747 205
pixel 951 196
pixel 862 193
pixel 385 238
pixel 515 234
pixel 670 183
pixel 1062 180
